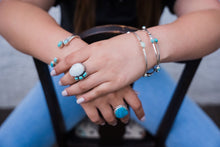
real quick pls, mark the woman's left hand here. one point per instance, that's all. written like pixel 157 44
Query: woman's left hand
pixel 110 65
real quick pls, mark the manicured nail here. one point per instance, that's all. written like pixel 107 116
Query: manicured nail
pixel 80 100
pixel 143 118
pixel 114 124
pixel 102 124
pixel 53 73
pixel 137 93
pixel 64 93
pixel 60 83
pixel 126 121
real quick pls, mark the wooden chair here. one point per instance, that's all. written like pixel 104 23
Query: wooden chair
pixel 113 136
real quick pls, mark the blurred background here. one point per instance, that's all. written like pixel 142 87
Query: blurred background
pixel 18 75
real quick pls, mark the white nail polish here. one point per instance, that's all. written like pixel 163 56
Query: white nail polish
pixel 53 73
pixel 80 100
pixel 102 124
pixel 143 118
pixel 114 124
pixel 64 93
pixel 60 83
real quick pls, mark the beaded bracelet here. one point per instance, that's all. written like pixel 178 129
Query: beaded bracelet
pixel 66 41
pixel 54 62
pixel 146 74
pixel 154 42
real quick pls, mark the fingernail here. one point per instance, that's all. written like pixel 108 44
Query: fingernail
pixel 137 93
pixel 126 121
pixel 64 93
pixel 60 83
pixel 102 124
pixel 53 73
pixel 114 124
pixel 80 100
pixel 143 118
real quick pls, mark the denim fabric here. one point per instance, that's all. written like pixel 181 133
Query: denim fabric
pixel 29 125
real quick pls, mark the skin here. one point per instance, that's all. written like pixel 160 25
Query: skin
pixel 117 62
pixel 45 49
pixel 127 65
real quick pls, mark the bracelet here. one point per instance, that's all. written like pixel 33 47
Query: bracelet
pixel 54 62
pixel 146 74
pixel 66 41
pixel 154 42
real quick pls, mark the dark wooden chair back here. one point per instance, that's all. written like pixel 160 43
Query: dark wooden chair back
pixel 113 136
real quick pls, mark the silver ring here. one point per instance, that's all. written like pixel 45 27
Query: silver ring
pixel 121 111
pixel 78 71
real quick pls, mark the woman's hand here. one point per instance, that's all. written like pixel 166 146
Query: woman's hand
pixel 110 64
pixel 106 104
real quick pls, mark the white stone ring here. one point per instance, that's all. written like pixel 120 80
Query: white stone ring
pixel 78 71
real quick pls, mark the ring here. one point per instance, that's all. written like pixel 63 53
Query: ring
pixel 121 111
pixel 78 71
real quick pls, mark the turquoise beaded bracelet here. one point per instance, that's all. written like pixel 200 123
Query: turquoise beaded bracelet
pixel 54 62
pixel 154 42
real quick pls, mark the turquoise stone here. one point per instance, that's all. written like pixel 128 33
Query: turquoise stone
pixel 76 78
pixel 152 40
pixel 65 42
pixel 52 64
pixel 142 44
pixel 84 75
pixel 155 40
pixel 60 44
pixel 55 60
pixel 80 77
pixel 121 112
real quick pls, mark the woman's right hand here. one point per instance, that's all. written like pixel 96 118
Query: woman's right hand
pixel 106 105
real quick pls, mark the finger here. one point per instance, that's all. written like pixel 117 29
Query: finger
pixel 98 91
pixel 108 115
pixel 78 56
pixel 93 114
pixel 67 79
pixel 134 102
pixel 83 86
pixel 116 102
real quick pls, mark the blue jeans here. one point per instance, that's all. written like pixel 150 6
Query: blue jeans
pixel 29 125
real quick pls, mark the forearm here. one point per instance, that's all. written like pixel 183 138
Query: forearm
pixel 32 31
pixel 189 37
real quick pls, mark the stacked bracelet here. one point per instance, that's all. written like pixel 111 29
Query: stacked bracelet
pixel 146 74
pixel 66 41
pixel 154 42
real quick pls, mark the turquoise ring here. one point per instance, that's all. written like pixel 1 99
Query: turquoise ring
pixel 121 111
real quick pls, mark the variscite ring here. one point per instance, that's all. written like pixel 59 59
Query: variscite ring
pixel 121 111
pixel 78 71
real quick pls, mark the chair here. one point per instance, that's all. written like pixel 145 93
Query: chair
pixel 107 133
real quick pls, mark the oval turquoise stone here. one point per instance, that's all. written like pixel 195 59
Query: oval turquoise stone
pixel 121 112
pixel 65 41
pixel 80 77
pixel 84 75
pixel 60 43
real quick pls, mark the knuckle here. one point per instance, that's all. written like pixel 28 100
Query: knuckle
pixel 93 117
pixel 137 106
pixel 67 61
pixel 82 86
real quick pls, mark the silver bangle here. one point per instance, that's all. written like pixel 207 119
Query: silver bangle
pixel 66 41
pixel 154 42
pixel 143 45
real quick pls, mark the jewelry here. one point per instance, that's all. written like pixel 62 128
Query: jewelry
pixel 143 45
pixel 66 41
pixel 78 71
pixel 121 111
pixel 54 62
pixel 154 42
